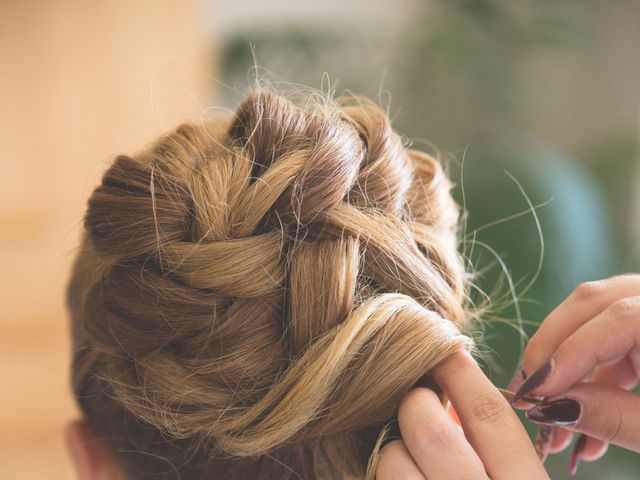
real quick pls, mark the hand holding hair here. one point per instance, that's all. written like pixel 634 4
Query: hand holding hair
pixel 583 360
pixel 492 442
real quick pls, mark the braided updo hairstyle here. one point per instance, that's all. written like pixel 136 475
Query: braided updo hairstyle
pixel 253 295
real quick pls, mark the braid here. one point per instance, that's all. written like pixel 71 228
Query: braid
pixel 261 292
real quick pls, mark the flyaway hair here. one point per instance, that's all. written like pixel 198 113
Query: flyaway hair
pixel 254 294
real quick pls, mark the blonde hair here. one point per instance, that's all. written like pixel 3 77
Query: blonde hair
pixel 254 295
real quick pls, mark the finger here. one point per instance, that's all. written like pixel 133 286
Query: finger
pixel 620 374
pixel 603 412
pixel 436 443
pixel 396 462
pixel 561 440
pixel 543 440
pixel 492 427
pixel 607 338
pixel 514 386
pixel 583 450
pixel 586 301
pixel 593 449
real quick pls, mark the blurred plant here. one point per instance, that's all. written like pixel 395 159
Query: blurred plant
pixel 614 162
pixel 463 57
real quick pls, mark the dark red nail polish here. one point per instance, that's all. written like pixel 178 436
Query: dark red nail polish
pixel 577 451
pixel 562 412
pixel 534 380
pixel 544 437
pixel 516 381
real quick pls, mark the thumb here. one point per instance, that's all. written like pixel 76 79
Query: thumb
pixel 608 413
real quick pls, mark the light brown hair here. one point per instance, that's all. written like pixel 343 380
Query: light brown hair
pixel 253 295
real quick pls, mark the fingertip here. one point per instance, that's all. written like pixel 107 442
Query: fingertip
pixel 516 381
pixel 447 368
pixel 532 384
pixel 593 449
pixel 416 402
pixel 561 440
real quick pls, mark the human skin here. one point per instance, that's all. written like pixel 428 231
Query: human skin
pixel 494 444
pixel 583 360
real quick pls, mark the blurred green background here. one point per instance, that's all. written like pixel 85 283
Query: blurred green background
pixel 527 101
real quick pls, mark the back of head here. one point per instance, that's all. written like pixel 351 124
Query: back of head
pixel 253 295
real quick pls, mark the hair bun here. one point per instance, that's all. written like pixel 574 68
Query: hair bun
pixel 271 285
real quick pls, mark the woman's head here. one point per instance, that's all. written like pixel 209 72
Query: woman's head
pixel 253 295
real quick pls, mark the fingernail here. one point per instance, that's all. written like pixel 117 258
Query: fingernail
pixel 577 451
pixel 544 437
pixel 534 380
pixel 563 412
pixel 516 381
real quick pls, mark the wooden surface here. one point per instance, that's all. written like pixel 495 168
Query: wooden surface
pixel 79 83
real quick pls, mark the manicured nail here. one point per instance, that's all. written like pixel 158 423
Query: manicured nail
pixel 544 437
pixel 577 451
pixel 516 381
pixel 562 412
pixel 534 380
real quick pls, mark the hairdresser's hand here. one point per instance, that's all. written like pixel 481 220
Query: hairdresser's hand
pixel 494 443
pixel 584 359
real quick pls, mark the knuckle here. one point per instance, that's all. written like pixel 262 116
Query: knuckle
pixel 587 290
pixel 625 307
pixel 489 408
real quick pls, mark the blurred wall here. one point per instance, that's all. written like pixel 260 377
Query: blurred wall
pixel 79 83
